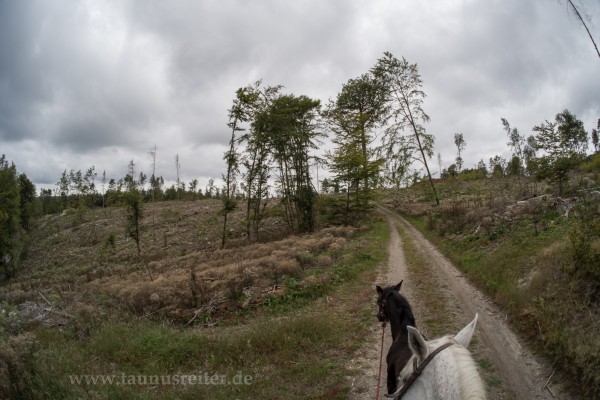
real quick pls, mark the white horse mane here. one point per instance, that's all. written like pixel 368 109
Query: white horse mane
pixel 451 374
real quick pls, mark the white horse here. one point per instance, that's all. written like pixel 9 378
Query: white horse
pixel 448 373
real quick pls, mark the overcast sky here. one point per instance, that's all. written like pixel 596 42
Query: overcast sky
pixel 101 82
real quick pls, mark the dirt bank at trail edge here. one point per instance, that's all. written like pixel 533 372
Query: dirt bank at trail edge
pixel 520 375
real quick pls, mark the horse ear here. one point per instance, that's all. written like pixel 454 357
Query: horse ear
pixel 464 336
pixel 417 344
pixel 379 290
pixel 398 286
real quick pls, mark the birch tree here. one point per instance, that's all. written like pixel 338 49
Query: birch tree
pixel 460 143
pixel 177 167
pixel 563 143
pixel 256 158
pixel 239 114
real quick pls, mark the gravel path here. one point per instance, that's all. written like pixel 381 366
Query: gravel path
pixel 519 374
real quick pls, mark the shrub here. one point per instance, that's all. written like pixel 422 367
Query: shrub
pixel 323 261
pixel 305 259
pixel 585 243
pixel 289 268
pixel 591 164
pixel 15 364
pixel 109 241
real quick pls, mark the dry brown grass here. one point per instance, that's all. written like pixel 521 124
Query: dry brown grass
pixel 225 274
pixel 181 268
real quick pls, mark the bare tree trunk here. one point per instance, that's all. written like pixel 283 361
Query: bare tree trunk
pixel 153 184
pixel 437 200
pixel 177 165
pixel 584 25
pixel 228 191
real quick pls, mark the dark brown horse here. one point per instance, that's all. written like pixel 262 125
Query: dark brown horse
pixel 394 308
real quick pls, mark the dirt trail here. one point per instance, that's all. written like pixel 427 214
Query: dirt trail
pixel 521 376
pixel 364 384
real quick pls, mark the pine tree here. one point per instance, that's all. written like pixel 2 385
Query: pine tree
pixel 26 200
pixel 405 99
pixel 10 206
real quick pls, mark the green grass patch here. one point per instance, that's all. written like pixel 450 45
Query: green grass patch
pixel 498 266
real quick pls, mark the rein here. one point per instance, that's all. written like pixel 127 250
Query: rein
pixel 417 372
pixel 380 360
pixel 384 320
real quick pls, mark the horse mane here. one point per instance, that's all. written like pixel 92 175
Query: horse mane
pixel 471 386
pixel 401 302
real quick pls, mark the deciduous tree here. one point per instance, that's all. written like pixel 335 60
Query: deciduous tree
pixel 177 167
pixel 516 142
pixel 595 140
pixel 291 127
pixel 358 110
pixel 256 158
pixel 241 112
pixel 564 143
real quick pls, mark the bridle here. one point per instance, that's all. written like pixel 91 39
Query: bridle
pixel 381 315
pixel 417 372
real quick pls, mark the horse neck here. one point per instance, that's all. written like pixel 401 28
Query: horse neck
pixel 400 316
pixel 451 375
pixel 438 381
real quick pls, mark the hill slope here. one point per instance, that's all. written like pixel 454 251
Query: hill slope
pixel 86 312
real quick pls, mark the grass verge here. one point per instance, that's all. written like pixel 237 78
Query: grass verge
pixel 526 271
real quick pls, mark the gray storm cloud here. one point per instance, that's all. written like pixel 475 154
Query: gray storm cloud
pixel 101 82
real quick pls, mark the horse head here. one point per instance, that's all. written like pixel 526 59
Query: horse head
pixel 393 307
pixel 383 297
pixel 441 368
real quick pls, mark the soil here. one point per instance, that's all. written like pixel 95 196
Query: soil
pixel 514 371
